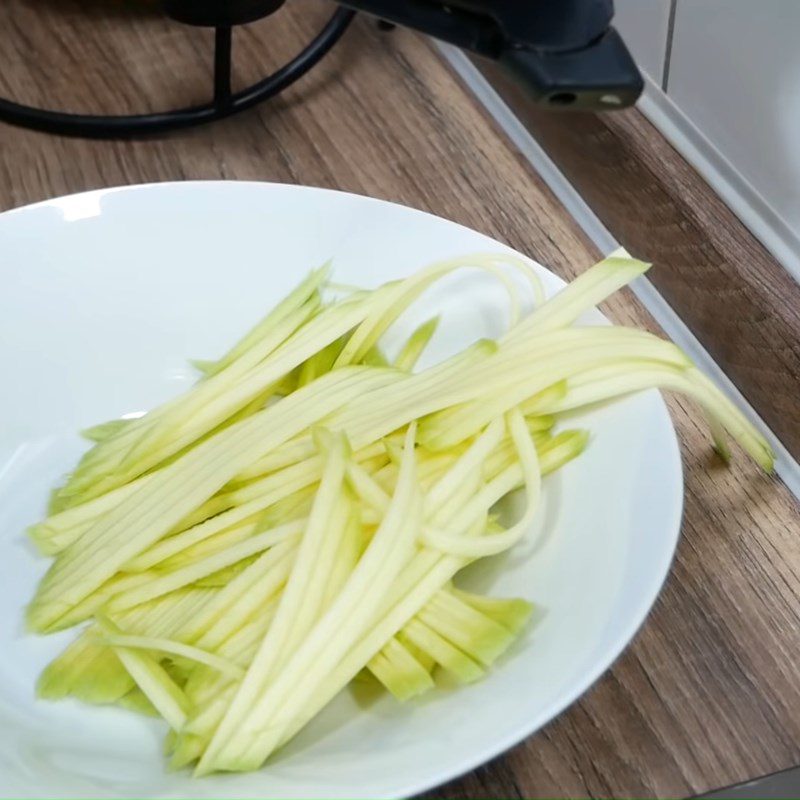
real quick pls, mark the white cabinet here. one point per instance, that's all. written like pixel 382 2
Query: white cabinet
pixel 644 25
pixel 735 72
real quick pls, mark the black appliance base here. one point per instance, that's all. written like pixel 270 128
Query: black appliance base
pixel 225 103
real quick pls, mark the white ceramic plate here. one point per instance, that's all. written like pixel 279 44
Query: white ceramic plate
pixel 103 298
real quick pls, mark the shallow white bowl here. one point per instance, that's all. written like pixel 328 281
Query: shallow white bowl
pixel 105 295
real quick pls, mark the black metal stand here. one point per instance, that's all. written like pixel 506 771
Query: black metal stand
pixel 225 103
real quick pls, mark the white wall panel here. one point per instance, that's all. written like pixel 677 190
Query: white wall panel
pixel 735 73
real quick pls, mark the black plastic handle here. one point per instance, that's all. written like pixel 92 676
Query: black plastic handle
pixel 564 52
pixel 600 77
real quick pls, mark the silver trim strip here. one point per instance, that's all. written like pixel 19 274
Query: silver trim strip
pixel 786 467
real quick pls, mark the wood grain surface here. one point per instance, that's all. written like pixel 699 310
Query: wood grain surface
pixel 740 302
pixel 709 692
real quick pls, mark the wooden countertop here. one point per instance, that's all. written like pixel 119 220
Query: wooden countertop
pixel 709 692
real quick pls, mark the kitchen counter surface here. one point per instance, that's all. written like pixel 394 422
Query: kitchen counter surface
pixel 709 692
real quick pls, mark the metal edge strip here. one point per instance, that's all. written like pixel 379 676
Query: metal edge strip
pixel 786 467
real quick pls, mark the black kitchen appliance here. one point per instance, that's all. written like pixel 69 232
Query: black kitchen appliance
pixel 564 52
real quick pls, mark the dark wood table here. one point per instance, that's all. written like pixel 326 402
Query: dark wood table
pixel 709 692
